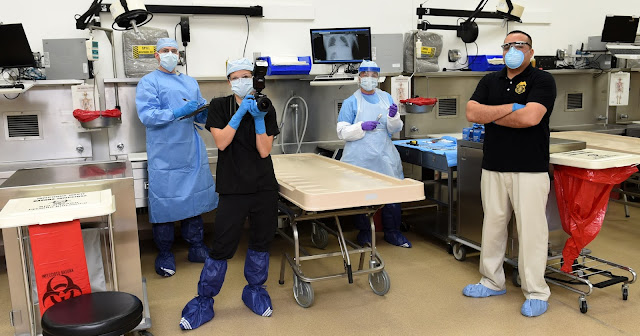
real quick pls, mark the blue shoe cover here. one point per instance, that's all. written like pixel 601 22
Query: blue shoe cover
pixel 480 291
pixel 533 307
pixel 395 237
pixel 257 299
pixel 197 312
pixel 364 237
pixel 256 271
pixel 165 264
pixel 198 253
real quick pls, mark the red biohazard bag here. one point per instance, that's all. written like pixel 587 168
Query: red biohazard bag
pixel 583 195
pixel 59 262
pixel 86 115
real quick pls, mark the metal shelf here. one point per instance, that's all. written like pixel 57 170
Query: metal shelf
pixel 438 191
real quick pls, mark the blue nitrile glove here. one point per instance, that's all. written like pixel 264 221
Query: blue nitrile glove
pixel 187 108
pixel 258 118
pixel 242 110
pixel 517 106
pixel 369 125
pixel 393 109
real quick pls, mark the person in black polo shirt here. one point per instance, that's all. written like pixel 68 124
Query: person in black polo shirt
pixel 515 105
pixel 248 188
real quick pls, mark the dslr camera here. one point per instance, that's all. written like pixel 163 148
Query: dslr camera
pixel 259 71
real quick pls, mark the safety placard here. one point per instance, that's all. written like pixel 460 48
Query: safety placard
pixel 427 51
pixel 143 51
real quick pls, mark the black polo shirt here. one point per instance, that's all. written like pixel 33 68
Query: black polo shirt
pixel 509 149
pixel 240 168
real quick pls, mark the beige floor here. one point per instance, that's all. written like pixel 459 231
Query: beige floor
pixel 425 296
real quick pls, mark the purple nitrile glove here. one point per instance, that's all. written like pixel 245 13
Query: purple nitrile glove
pixel 393 109
pixel 369 125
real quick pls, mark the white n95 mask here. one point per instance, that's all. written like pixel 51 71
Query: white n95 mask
pixel 368 83
pixel 168 61
pixel 242 86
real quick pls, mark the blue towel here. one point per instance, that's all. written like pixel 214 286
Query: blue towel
pixel 448 147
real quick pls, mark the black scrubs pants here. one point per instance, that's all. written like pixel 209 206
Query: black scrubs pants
pixel 262 210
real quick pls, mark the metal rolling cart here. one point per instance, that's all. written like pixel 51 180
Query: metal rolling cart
pixel 314 187
pixel 435 160
pixel 117 231
pixel 587 269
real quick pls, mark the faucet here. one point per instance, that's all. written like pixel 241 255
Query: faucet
pixel 603 118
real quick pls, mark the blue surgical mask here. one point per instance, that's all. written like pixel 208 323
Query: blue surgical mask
pixel 514 58
pixel 242 86
pixel 368 83
pixel 168 61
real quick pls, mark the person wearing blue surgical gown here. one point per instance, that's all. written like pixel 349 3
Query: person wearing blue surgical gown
pixel 366 121
pixel 181 186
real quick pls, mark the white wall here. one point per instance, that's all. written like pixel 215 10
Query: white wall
pixel 285 28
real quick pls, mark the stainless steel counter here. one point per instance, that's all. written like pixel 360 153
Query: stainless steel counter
pixel 609 129
pixel 117 176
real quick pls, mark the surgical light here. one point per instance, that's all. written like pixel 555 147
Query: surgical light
pixel 129 14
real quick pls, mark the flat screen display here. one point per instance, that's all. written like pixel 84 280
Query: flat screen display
pixel 19 53
pixel 620 29
pixel 340 45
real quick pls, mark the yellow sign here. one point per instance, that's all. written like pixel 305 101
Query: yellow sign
pixel 428 51
pixel 143 51
pixel 521 87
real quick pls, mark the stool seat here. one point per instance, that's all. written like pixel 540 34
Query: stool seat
pixel 101 313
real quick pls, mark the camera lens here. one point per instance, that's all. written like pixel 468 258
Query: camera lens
pixel 263 103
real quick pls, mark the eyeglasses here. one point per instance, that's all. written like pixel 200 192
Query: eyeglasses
pixel 166 50
pixel 232 78
pixel 520 45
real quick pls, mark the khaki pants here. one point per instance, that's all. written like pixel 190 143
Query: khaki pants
pixel 525 194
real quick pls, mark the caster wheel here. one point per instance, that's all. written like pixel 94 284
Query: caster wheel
pixel 515 278
pixel 302 292
pixel 379 282
pixel 583 306
pixel 319 237
pixel 450 248
pixel 625 292
pixel 459 252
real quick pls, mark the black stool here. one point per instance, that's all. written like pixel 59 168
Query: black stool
pixel 94 314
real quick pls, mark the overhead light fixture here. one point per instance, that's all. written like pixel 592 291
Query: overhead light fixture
pixel 468 29
pixel 129 14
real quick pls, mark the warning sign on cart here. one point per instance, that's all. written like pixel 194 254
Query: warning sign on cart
pixel 56 208
pixel 143 51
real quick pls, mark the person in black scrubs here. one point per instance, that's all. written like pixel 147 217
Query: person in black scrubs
pixel 248 188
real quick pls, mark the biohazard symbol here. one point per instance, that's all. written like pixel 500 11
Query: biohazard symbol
pixel 60 288
pixel 521 87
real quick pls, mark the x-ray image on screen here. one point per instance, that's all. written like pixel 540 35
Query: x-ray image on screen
pixel 348 45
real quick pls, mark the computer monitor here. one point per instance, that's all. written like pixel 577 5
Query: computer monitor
pixel 18 53
pixel 340 45
pixel 620 29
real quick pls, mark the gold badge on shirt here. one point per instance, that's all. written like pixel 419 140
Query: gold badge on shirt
pixel 521 87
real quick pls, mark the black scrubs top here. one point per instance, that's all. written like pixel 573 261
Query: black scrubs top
pixel 240 168
pixel 509 149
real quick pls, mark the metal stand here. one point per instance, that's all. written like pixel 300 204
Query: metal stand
pixel 302 290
